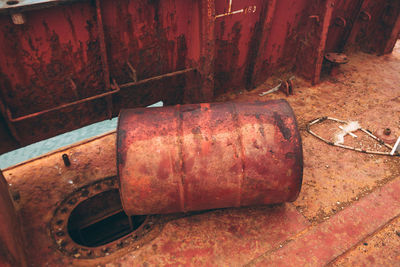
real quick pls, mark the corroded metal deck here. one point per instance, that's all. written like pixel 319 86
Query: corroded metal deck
pixel 348 212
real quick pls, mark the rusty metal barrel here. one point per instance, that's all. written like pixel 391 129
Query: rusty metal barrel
pixel 206 156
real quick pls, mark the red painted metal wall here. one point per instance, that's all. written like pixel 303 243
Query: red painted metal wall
pixel 237 32
pixel 66 64
pixel 344 16
pixel 279 48
pixel 42 58
pixel 377 26
pixel 154 37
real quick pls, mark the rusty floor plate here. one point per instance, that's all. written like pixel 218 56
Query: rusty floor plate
pixel 348 199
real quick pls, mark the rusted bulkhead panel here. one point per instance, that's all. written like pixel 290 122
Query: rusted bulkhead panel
pixel 11 242
pixel 377 27
pixel 61 61
pixel 206 156
pixel 51 59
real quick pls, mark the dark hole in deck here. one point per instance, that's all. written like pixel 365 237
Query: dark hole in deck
pixel 100 220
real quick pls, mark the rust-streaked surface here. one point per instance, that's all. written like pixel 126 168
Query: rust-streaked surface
pixel 55 60
pixel 377 27
pixel 218 238
pixel 238 29
pixel 365 89
pixel 254 229
pixel 47 53
pixel 207 156
pixel 60 60
pixel 344 16
pixel 335 180
pixel 11 242
pixel 315 25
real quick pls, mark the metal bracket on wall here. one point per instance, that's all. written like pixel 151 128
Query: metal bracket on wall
pixel 365 16
pixel 133 72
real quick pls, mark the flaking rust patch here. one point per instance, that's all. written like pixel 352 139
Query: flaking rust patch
pixel 282 126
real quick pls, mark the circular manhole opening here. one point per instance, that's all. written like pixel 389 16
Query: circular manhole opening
pixel 90 222
pixel 100 220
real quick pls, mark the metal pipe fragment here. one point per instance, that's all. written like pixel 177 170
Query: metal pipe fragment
pixel 207 156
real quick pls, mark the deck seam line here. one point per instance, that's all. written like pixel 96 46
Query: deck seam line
pixel 363 240
pixel 321 224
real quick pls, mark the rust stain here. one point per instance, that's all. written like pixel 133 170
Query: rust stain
pixel 222 163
